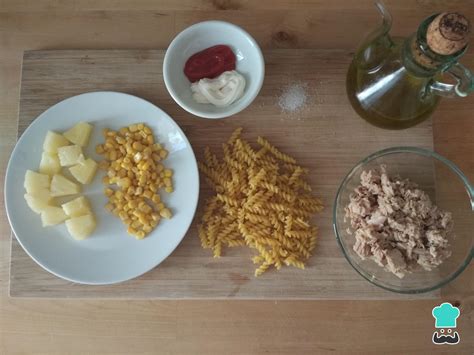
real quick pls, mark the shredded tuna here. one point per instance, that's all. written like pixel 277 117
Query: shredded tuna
pixel 396 225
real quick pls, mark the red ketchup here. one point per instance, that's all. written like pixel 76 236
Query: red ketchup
pixel 209 63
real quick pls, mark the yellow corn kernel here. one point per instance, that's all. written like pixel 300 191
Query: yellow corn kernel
pixel 131 190
pixel 99 149
pixel 115 165
pixel 126 207
pixel 140 235
pixel 103 164
pixel 130 230
pixel 140 126
pixel 111 134
pixel 133 204
pixel 160 206
pixel 169 189
pixel 138 191
pixel 153 224
pixel 147 130
pixel 123 215
pixel 146 166
pixel 149 139
pixel 137 146
pixel 108 192
pixel 120 204
pixel 123 130
pixel 153 188
pixel 167 181
pixel 120 140
pixel 165 213
pixel 143 135
pixel 145 208
pixel 148 194
pixel 137 157
pixel 109 207
pixel 136 224
pixel 113 155
pixel 168 172
pixel 125 181
pixel 133 128
pixel 160 168
pixel 163 153
pixel 122 173
pixel 156 199
pixel 143 220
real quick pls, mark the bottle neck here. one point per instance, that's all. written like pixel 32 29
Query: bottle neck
pixel 420 60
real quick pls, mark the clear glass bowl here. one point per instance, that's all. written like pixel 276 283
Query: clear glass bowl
pixel 447 187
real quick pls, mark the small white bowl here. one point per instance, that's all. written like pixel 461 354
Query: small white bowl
pixel 198 37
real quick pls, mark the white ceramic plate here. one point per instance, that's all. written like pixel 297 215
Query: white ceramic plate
pixel 110 255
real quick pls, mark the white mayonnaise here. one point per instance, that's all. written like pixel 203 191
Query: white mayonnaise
pixel 221 91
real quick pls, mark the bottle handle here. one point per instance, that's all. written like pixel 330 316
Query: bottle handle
pixel 464 83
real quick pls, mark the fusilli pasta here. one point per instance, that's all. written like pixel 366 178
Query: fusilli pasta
pixel 261 201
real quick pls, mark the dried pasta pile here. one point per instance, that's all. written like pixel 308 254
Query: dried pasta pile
pixel 261 201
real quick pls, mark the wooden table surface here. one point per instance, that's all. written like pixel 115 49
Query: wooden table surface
pixel 221 327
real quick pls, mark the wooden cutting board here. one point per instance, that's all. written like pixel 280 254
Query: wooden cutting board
pixel 327 137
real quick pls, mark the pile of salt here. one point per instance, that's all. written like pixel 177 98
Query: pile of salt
pixel 293 98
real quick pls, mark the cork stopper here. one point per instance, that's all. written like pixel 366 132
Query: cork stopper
pixel 448 33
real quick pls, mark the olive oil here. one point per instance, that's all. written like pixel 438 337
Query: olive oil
pixel 396 83
pixel 388 95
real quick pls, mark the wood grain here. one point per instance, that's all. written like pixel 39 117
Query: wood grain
pixel 328 138
pixel 217 327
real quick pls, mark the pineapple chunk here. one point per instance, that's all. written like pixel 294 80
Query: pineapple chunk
pixel 79 134
pixel 61 186
pixel 49 164
pixel 70 155
pixel 35 181
pixel 52 215
pixel 84 171
pixel 37 204
pixel 78 207
pixel 81 227
pixel 53 141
